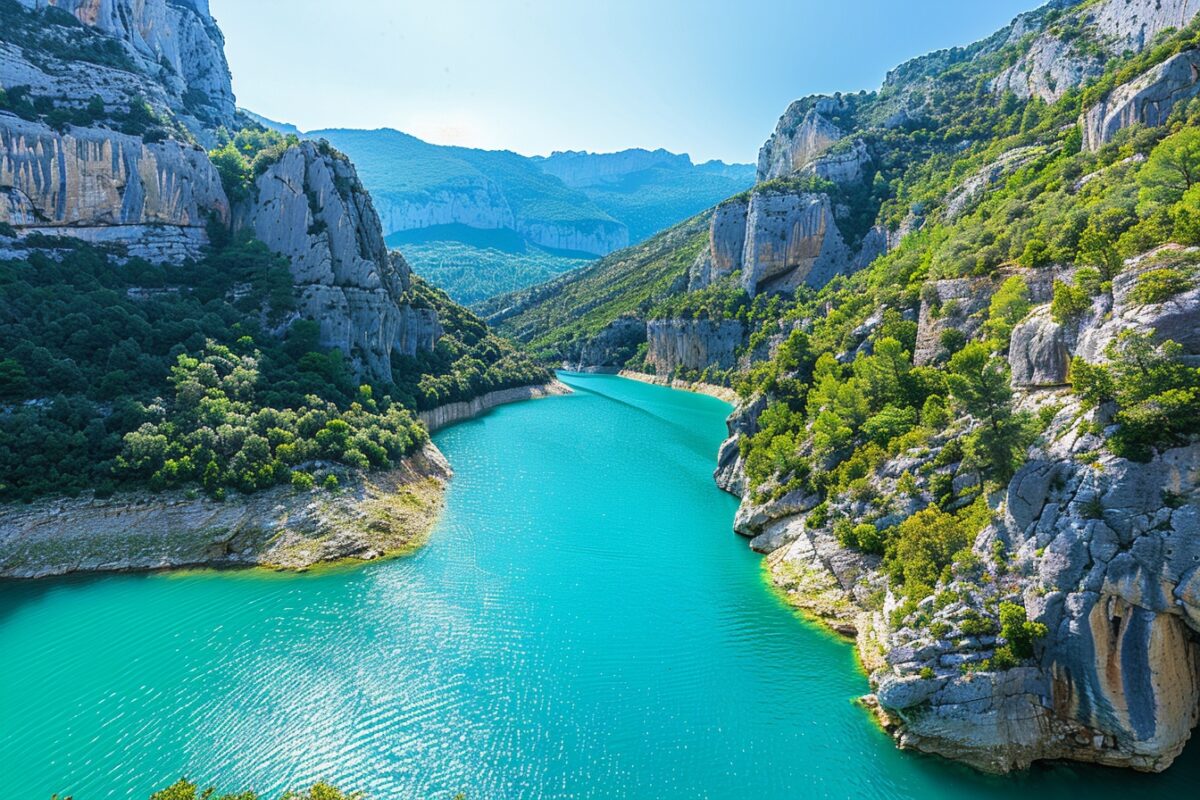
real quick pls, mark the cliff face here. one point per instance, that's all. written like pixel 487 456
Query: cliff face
pixel 779 241
pixel 1147 100
pixel 1102 550
pixel 153 194
pixel 803 134
pixel 108 187
pixel 693 344
pixel 1057 61
pixel 311 208
pixel 174 41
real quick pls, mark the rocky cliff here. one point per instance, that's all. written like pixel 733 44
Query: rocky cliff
pixel 1061 58
pixel 175 42
pixel 693 344
pixel 108 187
pixel 1101 550
pixel 311 208
pixel 1147 100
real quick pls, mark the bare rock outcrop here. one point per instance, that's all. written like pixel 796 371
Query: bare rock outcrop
pixel 373 515
pixel 105 186
pixel 1146 100
pixel 174 41
pixel 803 133
pixel 693 344
pixel 611 348
pixel 1038 354
pixel 791 240
pixel 1056 62
pixel 311 208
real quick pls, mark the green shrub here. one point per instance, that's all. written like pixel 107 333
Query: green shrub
pixel 1069 302
pixel 1160 285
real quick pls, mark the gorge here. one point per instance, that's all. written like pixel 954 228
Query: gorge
pixel 521 653
pixel 957 317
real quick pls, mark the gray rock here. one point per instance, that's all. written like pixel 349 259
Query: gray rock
pixel 311 208
pixel 693 344
pixel 1038 354
pixel 1147 100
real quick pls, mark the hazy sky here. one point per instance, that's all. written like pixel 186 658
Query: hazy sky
pixel 705 77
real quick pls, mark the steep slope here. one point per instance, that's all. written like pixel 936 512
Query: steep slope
pixel 961 316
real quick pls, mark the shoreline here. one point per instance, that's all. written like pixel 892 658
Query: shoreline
pixel 723 393
pixel 443 416
pixel 375 515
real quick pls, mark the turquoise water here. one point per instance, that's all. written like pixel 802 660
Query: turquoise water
pixel 583 624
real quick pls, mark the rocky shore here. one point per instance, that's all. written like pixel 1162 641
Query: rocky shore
pixel 371 516
pixel 442 416
pixel 712 390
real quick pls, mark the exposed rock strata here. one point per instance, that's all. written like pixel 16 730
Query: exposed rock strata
pixel 803 133
pixel 311 208
pixel 440 417
pixel 693 344
pixel 88 179
pixel 1101 550
pixel 1147 100
pixel 372 516
pixel 175 41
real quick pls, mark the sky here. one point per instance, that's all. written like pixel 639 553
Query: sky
pixel 704 77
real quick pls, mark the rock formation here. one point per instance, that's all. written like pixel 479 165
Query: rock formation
pixel 108 187
pixel 1103 551
pixel 779 240
pixel 1056 62
pixel 311 208
pixel 174 41
pixel 693 344
pixel 803 133
pixel 1146 100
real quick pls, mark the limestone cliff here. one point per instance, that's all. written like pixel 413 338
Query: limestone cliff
pixel 311 208
pixel 118 174
pixel 1146 100
pixel 108 187
pixel 779 240
pixel 176 42
pixel 1059 59
pixel 1101 550
pixel 804 132
pixel 693 344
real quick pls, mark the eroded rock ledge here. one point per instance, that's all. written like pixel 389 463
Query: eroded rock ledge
pixel 375 515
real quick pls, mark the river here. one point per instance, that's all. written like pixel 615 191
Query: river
pixel 582 624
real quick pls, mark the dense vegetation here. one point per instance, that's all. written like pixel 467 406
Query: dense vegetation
pixel 168 376
pixel 991 188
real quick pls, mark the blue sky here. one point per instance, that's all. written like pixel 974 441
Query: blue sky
pixel 705 77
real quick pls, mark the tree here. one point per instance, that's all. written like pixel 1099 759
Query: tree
pixel 1172 169
pixel 980 384
pixel 925 546
pixel 1009 306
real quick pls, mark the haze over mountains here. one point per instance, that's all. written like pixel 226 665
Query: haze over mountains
pixel 483 222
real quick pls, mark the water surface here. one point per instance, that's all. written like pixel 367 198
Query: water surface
pixel 583 624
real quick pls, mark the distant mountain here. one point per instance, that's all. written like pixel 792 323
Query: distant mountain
pixel 483 222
